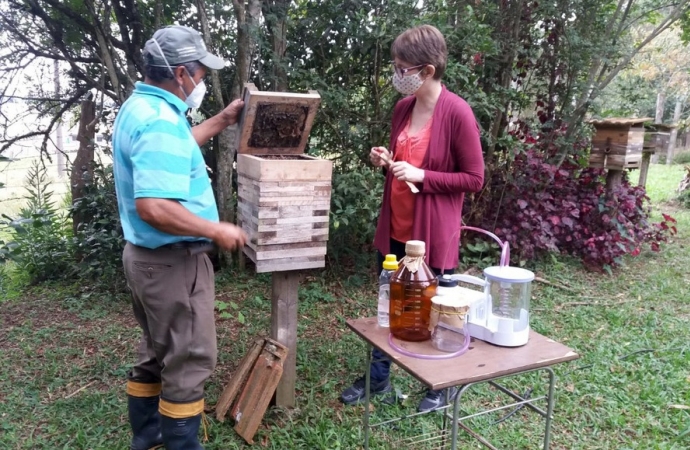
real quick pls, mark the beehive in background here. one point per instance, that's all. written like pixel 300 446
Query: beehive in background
pixel 617 143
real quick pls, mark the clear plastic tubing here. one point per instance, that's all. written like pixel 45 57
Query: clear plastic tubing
pixel 422 356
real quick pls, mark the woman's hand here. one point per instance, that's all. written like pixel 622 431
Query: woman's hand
pixel 404 171
pixel 375 156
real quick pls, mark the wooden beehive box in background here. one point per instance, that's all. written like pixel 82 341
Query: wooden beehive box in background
pixel 617 143
pixel 284 196
pixel 656 138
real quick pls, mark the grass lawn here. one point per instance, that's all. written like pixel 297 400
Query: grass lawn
pixel 65 350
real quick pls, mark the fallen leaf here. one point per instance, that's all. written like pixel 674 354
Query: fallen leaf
pixel 679 406
pixel 570 388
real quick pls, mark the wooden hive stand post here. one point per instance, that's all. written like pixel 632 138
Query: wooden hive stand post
pixel 284 304
pixel 651 141
pixel 614 176
pixel 644 167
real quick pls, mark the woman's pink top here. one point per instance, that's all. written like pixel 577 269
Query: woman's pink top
pixel 412 149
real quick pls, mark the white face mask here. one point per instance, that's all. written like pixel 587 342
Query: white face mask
pixel 407 85
pixel 194 99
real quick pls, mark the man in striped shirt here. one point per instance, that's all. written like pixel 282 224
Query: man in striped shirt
pixel 170 220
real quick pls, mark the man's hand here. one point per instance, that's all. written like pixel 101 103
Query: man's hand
pixel 404 171
pixel 231 113
pixel 229 236
pixel 211 127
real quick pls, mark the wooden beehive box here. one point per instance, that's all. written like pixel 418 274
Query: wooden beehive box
pixel 656 138
pixel 617 143
pixel 284 196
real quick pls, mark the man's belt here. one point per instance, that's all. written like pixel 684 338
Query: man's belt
pixel 192 247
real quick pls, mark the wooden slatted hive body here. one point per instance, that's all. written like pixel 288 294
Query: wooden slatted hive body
pixel 617 143
pixel 284 196
pixel 656 138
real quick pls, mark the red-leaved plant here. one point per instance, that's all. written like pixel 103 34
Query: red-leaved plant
pixel 540 207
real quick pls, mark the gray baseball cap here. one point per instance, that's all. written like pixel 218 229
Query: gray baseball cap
pixel 180 45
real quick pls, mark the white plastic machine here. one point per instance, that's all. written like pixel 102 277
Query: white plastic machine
pixel 501 315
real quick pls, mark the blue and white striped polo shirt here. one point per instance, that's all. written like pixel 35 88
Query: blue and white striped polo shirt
pixel 156 156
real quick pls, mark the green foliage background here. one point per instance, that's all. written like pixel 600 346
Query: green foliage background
pixel 523 65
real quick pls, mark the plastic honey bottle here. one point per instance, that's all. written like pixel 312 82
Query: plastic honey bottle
pixel 390 265
pixel 412 287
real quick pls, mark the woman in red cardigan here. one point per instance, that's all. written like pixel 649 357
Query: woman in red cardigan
pixel 434 144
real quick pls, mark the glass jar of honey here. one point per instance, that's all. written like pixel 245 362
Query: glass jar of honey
pixel 412 287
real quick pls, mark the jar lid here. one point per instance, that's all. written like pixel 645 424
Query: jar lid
pixel 415 248
pixel 446 281
pixel 508 274
pixel 451 301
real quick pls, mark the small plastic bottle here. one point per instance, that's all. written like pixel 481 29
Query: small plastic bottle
pixel 390 265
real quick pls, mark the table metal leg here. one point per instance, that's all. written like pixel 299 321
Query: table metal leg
pixel 548 414
pixel 456 411
pixel 444 424
pixel 367 399
pixel 457 420
pixel 549 411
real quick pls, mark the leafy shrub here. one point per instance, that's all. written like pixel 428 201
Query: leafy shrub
pixel 479 252
pixel 355 205
pixel 98 243
pixel 42 243
pixel 684 198
pixel 682 158
pixel 541 207
pixel 40 237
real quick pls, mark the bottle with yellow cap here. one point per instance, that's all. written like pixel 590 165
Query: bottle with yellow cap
pixel 390 265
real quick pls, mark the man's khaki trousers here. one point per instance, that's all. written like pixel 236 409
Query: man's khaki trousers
pixel 173 301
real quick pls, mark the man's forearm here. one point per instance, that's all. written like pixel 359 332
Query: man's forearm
pixel 169 216
pixel 208 128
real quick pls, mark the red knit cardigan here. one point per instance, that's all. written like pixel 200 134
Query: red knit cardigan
pixel 452 166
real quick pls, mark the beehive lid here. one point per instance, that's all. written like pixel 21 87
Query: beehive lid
pixel 619 122
pixel 276 123
pixel 662 128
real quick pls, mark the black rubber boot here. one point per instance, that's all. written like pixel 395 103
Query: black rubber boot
pixel 145 421
pixel 181 434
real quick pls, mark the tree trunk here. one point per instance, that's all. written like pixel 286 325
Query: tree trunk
pixel 59 148
pixel 82 168
pixel 674 132
pixel 158 14
pixel 102 37
pixel 508 29
pixel 223 147
pixel 275 12
pixel 660 100
pixel 248 17
pixel 659 118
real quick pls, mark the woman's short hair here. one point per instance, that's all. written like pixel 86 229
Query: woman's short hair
pixel 422 45
pixel 163 73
